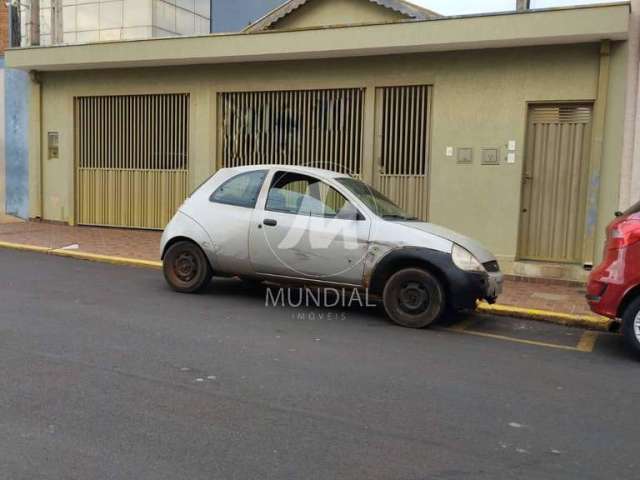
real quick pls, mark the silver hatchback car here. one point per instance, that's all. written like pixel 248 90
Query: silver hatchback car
pixel 296 225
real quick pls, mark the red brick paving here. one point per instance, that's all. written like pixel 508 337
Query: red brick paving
pixel 539 296
pixel 145 245
pixel 140 244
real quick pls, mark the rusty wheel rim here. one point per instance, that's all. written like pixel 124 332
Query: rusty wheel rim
pixel 414 298
pixel 185 267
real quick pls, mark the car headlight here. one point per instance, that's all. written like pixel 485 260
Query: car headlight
pixel 464 260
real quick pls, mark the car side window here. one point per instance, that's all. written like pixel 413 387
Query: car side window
pixel 299 194
pixel 241 190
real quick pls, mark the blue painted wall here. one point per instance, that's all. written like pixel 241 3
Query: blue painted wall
pixel 16 111
pixel 235 15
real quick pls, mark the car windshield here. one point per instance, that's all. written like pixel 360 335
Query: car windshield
pixel 376 201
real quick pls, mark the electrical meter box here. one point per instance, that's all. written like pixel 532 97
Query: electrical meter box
pixel 490 156
pixel 465 156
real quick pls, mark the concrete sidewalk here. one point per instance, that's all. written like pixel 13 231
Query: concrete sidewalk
pixel 8 219
pixel 555 297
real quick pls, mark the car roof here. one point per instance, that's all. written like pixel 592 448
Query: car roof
pixel 318 172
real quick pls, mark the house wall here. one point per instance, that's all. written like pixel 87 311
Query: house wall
pixel 480 100
pixel 613 143
pixel 337 12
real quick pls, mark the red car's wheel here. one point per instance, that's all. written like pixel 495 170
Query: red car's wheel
pixel 631 326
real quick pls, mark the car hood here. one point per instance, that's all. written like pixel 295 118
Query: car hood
pixel 476 248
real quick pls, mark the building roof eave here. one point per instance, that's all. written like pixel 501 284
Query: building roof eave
pixel 545 27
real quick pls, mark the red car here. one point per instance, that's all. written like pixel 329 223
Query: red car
pixel 614 286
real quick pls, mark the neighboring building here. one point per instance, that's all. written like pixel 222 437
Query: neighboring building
pixel 236 15
pixel 90 21
pixel 508 127
pixel 299 14
pixel 256 15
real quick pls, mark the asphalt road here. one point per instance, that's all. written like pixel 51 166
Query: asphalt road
pixel 106 374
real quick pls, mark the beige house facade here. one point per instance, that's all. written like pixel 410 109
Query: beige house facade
pixel 508 128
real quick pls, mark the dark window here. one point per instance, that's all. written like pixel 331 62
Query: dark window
pixel 241 191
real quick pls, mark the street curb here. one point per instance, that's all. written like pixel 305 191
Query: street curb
pixel 91 257
pixel 590 322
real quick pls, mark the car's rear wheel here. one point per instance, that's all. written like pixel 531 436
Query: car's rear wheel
pixel 631 326
pixel 414 298
pixel 186 268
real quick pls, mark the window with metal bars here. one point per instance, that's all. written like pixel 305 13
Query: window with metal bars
pixel 404 130
pixel 133 132
pixel 319 128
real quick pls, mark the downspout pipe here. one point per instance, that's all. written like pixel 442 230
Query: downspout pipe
pixel 597 152
pixel 36 184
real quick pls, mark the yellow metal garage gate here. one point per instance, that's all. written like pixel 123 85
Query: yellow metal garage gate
pixel 402 146
pixel 316 128
pixel 132 159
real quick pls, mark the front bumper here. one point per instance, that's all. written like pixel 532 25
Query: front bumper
pixel 464 288
pixel 469 287
pixel 495 286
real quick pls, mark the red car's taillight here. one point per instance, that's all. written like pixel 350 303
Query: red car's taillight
pixel 624 234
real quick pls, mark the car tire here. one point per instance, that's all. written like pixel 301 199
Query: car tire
pixel 186 268
pixel 631 326
pixel 414 298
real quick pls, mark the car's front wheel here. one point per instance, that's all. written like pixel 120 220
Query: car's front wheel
pixel 186 268
pixel 631 326
pixel 414 298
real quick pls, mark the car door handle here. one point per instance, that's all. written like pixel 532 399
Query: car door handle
pixel 270 222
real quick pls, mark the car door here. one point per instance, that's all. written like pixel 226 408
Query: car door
pixel 227 218
pixel 305 228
